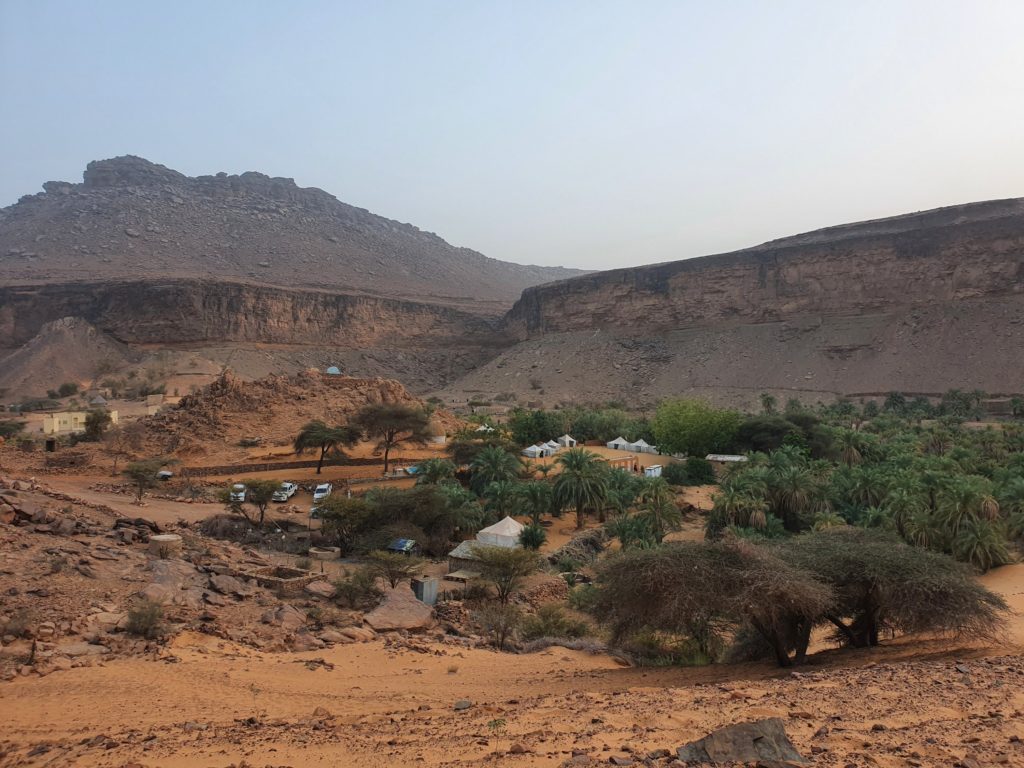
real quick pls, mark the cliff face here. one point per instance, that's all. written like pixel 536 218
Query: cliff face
pixel 947 255
pixel 195 312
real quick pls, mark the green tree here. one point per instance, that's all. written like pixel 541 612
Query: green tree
pixel 582 484
pixel 693 427
pixel 768 404
pixel 435 472
pixel 502 497
pixel 658 508
pixel 318 435
pixel 393 424
pixel 533 537
pixel 342 520
pixel 535 499
pixel 97 422
pixel 492 465
pixel 506 567
pixel 393 567
pixel 259 493
pixel 142 475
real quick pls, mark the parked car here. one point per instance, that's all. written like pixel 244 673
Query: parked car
pixel 238 492
pixel 285 492
pixel 322 491
pixel 164 474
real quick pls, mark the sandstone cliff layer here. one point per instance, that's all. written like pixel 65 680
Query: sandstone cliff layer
pixel 947 255
pixel 197 311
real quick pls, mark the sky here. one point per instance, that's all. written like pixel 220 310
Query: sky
pixel 585 134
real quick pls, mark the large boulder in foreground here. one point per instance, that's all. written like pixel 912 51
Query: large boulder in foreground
pixel 763 741
pixel 400 610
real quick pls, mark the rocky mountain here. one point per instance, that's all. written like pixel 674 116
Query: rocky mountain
pixel 133 219
pixel 921 303
pixel 248 271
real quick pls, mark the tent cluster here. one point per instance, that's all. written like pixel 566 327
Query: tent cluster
pixel 640 446
pixel 550 448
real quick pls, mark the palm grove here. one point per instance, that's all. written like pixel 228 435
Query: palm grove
pixel 851 518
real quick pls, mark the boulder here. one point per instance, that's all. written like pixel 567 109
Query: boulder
pixel 754 742
pixel 320 589
pixel 400 610
pixel 333 636
pixel 358 634
pixel 304 641
pixel 284 616
pixel 229 585
pixel 81 649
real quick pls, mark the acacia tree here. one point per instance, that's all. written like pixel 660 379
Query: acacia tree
pixel 506 567
pixel 318 435
pixel 393 567
pixel 122 442
pixel 259 493
pixel 143 475
pixel 393 424
pixel 97 422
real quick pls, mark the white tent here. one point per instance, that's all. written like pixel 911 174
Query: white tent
pixel 484 428
pixel 567 442
pixel 553 445
pixel 642 446
pixel 504 533
pixel 620 444
pixel 533 452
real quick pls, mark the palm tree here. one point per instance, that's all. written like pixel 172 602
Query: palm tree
pixel 623 489
pixel 493 464
pixel 316 434
pixel 965 500
pixel 796 496
pixel 632 531
pixel 850 446
pixel 535 499
pixel 741 508
pixel 659 509
pixel 501 496
pixel 435 472
pixel 981 544
pixel 582 483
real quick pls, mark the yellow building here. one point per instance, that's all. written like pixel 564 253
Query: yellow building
pixel 69 422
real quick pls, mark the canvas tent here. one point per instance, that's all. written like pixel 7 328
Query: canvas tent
pixel 553 445
pixel 532 452
pixel 642 446
pixel 504 533
pixel 567 441
pixel 620 444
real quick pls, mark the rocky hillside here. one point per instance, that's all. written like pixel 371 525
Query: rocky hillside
pixel 920 303
pixel 131 218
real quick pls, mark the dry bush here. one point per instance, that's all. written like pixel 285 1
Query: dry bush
pixel 358 590
pixel 551 621
pixel 146 619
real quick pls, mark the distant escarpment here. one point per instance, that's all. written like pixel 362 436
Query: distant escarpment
pixel 919 303
pixel 941 256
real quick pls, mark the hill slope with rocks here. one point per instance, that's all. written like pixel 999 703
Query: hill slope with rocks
pixel 920 303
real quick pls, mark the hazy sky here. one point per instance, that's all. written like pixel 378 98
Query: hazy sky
pixel 589 134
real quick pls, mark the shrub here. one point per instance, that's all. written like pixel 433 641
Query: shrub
pixel 500 621
pixel 9 428
pixel 533 537
pixel 146 619
pixel 552 621
pixel 358 590
pixel 675 474
pixel 67 389
pixel 699 471
pixel 583 598
pixel 19 624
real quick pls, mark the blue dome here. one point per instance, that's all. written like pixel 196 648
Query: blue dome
pixel 334 370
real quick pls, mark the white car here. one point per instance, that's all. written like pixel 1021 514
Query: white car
pixel 238 492
pixel 322 491
pixel 285 492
